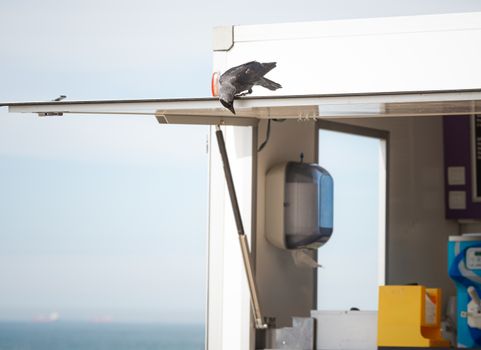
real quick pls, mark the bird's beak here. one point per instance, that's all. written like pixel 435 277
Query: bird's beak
pixel 228 105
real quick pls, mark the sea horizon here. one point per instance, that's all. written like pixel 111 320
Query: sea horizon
pixel 118 322
pixel 84 335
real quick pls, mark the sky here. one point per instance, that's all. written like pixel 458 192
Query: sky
pixel 104 216
pixel 356 219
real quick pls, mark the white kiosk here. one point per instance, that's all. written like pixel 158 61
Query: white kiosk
pixel 400 74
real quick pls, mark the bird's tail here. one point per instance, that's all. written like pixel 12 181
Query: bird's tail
pixel 268 84
pixel 269 66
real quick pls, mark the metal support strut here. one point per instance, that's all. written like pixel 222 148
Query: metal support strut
pixel 259 321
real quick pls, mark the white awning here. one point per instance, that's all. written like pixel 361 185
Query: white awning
pixel 249 110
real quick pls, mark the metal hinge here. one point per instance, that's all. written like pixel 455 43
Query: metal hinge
pixel 50 114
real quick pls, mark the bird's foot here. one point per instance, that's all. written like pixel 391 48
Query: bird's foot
pixel 244 93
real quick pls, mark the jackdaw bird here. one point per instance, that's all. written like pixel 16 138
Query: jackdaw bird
pixel 60 98
pixel 238 81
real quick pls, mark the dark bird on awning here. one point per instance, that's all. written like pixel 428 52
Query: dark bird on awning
pixel 60 98
pixel 238 81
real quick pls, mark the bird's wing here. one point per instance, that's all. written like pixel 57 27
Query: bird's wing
pixel 247 73
pixel 238 69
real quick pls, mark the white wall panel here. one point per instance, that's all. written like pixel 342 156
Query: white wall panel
pixel 415 53
pixel 228 319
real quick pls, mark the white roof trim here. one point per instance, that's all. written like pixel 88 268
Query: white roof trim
pixel 359 27
pixel 250 109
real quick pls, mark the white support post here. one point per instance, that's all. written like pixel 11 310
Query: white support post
pixel 228 311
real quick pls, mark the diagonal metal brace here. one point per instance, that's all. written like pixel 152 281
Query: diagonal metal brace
pixel 259 321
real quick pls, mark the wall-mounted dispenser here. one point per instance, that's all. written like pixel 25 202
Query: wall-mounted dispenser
pixel 299 205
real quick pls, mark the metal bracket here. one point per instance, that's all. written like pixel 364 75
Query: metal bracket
pixel 50 114
pixel 299 336
pixel 223 38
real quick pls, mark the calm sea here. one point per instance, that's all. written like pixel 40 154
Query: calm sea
pixel 85 336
